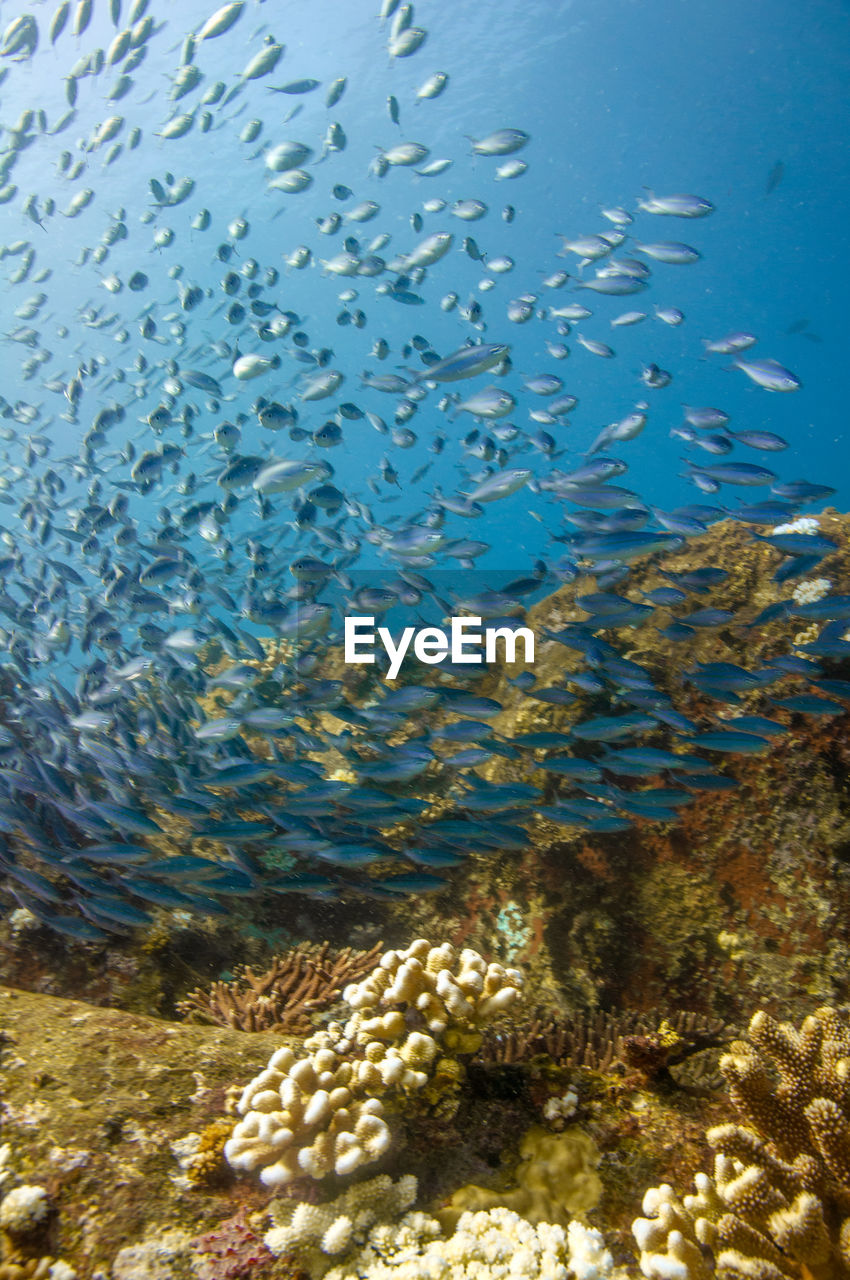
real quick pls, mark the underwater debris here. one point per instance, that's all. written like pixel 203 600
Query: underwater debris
pixel 304 981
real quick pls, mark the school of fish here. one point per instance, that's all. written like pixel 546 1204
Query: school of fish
pixel 172 511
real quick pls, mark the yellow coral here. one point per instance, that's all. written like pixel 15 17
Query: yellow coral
pixel 207 1166
pixel 556 1180
pixel 322 1113
pixel 778 1204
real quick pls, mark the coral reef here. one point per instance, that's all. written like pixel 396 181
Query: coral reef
pixel 556 1180
pixel 598 1041
pixel 323 1112
pixel 745 902
pixel 122 1120
pixel 491 1245
pixel 304 981
pixel 312 1230
pixel 778 1204
pixel 381 1239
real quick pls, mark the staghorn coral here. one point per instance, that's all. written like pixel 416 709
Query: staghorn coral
pixel 305 980
pixel 599 1041
pixel 778 1204
pixel 320 1111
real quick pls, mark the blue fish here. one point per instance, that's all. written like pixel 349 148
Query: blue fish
pixel 810 704
pixel 731 741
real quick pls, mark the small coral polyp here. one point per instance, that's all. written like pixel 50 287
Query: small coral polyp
pixel 320 1110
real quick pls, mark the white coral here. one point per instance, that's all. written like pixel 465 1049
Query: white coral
pixel 22 1209
pixel 365 1224
pixel 811 590
pixel 589 1258
pixel 676 1236
pixel 322 1113
pixel 803 524
pixel 494 1245
pixel 557 1110
pixel 332 1227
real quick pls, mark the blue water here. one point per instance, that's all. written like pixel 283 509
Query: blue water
pixel 617 98
pixel 744 105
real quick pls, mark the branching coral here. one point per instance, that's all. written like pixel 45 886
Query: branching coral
pixel 493 1245
pixel 321 1110
pixel 598 1041
pixel 283 997
pixel 365 1227
pixel 310 1230
pixel 778 1204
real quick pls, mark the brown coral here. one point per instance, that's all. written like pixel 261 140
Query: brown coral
pixel 296 985
pixel 207 1167
pixel 779 1203
pixel 598 1041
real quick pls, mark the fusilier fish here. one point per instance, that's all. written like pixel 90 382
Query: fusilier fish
pixel 254 365
pixel 669 251
pixel 677 206
pixel 769 374
pixel 221 21
pixel 501 485
pixel 406 153
pixel 501 143
pixel 492 402
pixel 433 86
